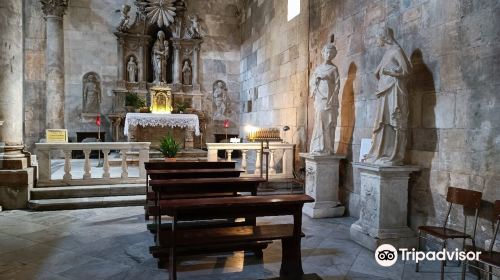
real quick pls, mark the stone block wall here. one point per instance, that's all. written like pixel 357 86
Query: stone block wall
pixel 274 68
pixel 91 46
pixel 454 47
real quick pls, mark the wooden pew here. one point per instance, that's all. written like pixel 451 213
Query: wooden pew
pixel 177 238
pixel 183 169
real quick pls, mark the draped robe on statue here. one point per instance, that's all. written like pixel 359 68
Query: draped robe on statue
pixel 324 85
pixel 391 121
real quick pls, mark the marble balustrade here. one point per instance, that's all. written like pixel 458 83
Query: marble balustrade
pixel 275 148
pixel 44 150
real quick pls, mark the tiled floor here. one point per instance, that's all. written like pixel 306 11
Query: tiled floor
pixel 112 243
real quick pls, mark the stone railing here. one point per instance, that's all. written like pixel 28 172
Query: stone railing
pixel 44 150
pixel 278 152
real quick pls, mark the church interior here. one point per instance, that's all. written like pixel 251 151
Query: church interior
pixel 249 139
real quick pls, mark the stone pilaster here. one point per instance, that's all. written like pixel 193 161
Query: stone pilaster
pixel 16 177
pixel 177 61
pixel 54 60
pixel 196 56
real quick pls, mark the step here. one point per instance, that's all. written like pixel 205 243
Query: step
pixel 86 202
pixel 87 191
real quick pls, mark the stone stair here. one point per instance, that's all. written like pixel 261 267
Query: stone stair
pixel 79 197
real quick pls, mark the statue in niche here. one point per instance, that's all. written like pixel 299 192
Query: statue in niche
pixel 159 57
pixel 324 86
pixel 186 73
pixel 220 99
pixel 390 128
pixel 132 70
pixel 91 94
pixel 123 26
pixel 194 31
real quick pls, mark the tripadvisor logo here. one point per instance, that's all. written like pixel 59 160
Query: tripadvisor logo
pixel 386 255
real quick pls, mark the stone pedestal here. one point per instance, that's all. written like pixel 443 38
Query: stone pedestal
pixel 383 215
pixel 322 183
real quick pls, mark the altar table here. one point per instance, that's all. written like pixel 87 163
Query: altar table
pixel 190 122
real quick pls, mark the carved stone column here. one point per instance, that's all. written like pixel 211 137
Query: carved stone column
pixel 16 177
pixel 177 61
pixel 196 55
pixel 54 62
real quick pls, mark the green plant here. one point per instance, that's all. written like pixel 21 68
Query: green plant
pixel 134 100
pixel 168 146
pixel 181 107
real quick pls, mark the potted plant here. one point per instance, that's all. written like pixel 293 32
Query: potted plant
pixel 134 102
pixel 169 147
pixel 181 107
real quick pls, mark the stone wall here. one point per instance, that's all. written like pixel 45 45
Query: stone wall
pixel 454 48
pixel 274 68
pixel 90 45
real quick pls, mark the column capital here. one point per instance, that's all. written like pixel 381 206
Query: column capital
pixel 55 8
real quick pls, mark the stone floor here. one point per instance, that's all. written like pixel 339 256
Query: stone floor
pixel 112 243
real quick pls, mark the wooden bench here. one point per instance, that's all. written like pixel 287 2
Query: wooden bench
pixel 184 169
pixel 178 238
pixel 176 188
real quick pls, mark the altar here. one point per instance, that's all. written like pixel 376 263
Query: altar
pixel 153 127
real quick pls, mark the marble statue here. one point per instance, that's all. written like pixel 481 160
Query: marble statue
pixel 91 94
pixel 390 128
pixel 324 86
pixel 220 99
pixel 159 56
pixel 124 19
pixel 132 70
pixel 186 73
pixel 194 31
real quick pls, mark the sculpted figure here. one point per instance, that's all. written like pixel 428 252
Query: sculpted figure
pixel 220 99
pixel 391 121
pixel 124 19
pixel 159 56
pixel 194 31
pixel 132 70
pixel 91 95
pixel 186 73
pixel 324 86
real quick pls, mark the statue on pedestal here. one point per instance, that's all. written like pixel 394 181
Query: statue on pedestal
pixel 324 86
pixel 391 121
pixel 186 73
pixel 132 70
pixel 220 99
pixel 159 57
pixel 91 94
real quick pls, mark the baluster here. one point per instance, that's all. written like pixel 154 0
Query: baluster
pixel 124 175
pixel 212 154
pixel 244 161
pixel 287 162
pixel 257 163
pixel 86 165
pixel 229 155
pixel 272 165
pixel 105 165
pixel 143 157
pixel 67 165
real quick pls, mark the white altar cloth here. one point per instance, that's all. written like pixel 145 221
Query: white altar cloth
pixel 164 120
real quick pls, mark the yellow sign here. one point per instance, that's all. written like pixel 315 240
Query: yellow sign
pixel 57 135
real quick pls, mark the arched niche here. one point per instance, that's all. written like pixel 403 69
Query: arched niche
pixel 152 31
pixel 91 93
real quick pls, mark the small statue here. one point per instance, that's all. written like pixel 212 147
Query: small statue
pixel 220 99
pixel 159 57
pixel 132 70
pixel 390 129
pixel 325 85
pixel 186 73
pixel 194 31
pixel 124 19
pixel 91 95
